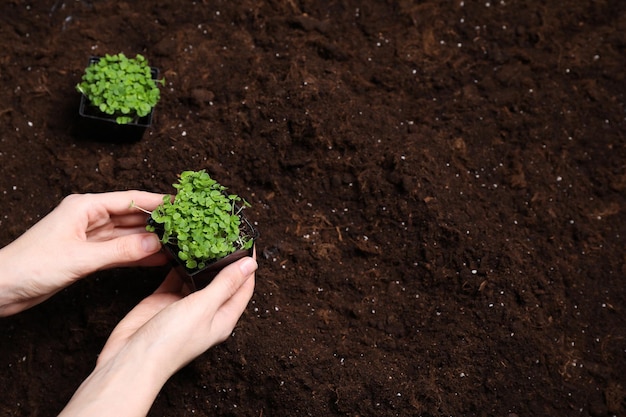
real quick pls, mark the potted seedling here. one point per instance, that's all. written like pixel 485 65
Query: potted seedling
pixel 202 228
pixel 118 95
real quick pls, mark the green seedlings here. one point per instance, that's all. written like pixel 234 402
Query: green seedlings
pixel 202 220
pixel 121 87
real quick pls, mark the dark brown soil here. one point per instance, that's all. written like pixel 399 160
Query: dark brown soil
pixel 440 188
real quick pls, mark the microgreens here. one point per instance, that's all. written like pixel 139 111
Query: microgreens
pixel 121 87
pixel 202 220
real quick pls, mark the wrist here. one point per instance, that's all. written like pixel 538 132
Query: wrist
pixel 23 282
pixel 10 283
pixel 126 385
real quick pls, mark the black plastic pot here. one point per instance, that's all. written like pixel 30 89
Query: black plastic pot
pixel 197 279
pixel 97 125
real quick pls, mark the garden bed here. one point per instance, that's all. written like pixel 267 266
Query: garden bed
pixel 439 187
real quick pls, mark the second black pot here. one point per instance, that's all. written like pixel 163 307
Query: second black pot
pixel 100 126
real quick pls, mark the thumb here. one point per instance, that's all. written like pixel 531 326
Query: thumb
pixel 126 249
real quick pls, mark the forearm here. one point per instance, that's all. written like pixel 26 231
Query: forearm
pixel 13 280
pixel 22 280
pixel 125 386
pixel 7 287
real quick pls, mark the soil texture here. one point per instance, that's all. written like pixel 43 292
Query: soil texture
pixel 440 188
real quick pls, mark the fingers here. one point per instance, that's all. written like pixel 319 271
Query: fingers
pixel 110 232
pixel 235 306
pixel 227 296
pixel 124 250
pixel 228 282
pixel 230 312
pixel 119 202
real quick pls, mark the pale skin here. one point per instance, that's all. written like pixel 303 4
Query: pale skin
pixel 163 333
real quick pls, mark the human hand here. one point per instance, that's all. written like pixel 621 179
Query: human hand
pixel 158 337
pixel 85 233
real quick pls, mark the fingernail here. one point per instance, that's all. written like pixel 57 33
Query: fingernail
pixel 150 243
pixel 248 266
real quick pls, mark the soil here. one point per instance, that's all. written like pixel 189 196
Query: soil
pixel 440 189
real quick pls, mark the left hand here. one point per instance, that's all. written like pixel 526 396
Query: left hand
pixel 85 233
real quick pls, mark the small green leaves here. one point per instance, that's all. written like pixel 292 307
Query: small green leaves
pixel 121 87
pixel 202 220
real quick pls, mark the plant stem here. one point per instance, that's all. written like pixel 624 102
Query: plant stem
pixel 133 205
